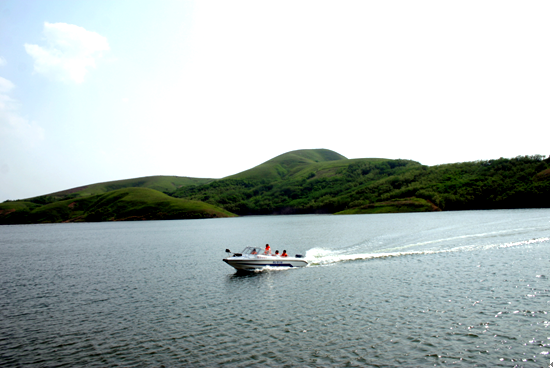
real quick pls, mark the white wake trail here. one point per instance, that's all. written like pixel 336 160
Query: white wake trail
pixel 322 256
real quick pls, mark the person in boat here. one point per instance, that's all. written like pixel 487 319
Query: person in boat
pixel 254 251
pixel 284 254
pixel 267 250
pixel 276 254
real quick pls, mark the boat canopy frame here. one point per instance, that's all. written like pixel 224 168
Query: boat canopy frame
pixel 250 251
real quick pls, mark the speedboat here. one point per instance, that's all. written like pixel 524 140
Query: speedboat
pixel 252 259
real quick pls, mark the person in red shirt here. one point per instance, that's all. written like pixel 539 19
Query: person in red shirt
pixel 267 250
pixel 284 254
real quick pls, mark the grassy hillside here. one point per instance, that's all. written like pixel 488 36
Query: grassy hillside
pixel 288 164
pixel 380 185
pixel 393 206
pixel 117 205
pixel 305 185
pixel 303 181
pixel 165 184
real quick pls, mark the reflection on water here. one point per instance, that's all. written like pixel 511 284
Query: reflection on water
pixel 241 275
pixel 465 289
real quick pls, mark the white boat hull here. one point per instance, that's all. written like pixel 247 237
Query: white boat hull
pixel 252 263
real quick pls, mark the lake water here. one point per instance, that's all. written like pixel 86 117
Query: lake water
pixel 444 289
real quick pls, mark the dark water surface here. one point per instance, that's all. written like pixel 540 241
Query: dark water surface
pixel 394 290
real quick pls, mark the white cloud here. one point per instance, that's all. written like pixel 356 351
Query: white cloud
pixel 5 86
pixel 15 130
pixel 70 51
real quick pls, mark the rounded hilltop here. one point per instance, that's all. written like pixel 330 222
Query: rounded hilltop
pixel 288 163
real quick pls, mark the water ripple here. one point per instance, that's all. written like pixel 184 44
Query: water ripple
pixel 464 290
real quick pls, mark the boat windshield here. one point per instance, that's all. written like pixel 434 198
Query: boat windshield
pixel 252 250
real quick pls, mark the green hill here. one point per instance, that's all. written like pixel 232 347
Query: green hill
pixel 303 181
pixel 393 206
pixel 118 205
pixel 377 185
pixel 288 164
pixel 295 183
pixel 166 184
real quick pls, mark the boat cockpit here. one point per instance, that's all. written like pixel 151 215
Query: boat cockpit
pixel 250 251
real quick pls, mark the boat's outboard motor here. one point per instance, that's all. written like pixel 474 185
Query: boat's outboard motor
pixel 233 254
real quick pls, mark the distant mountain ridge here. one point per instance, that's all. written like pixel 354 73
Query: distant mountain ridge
pixel 301 181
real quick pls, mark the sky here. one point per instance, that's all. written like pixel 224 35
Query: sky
pixel 94 91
